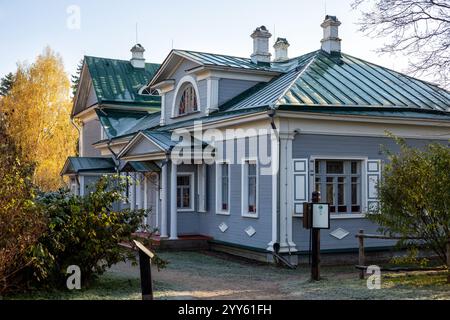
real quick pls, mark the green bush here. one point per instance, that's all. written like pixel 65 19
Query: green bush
pixel 84 231
pixel 21 220
pixel 415 196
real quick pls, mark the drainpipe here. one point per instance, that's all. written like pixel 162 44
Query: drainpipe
pixel 271 113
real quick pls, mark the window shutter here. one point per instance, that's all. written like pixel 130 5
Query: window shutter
pixel 373 171
pixel 301 184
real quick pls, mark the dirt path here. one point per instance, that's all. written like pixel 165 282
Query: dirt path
pixel 204 275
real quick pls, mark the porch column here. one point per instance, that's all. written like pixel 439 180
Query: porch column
pixel 164 192
pixel 173 202
pixel 133 192
pixel 145 198
pixel 138 191
pixel 286 194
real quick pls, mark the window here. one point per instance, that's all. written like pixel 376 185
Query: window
pixel 188 101
pixel 223 188
pixel 340 184
pixel 250 189
pixel 184 192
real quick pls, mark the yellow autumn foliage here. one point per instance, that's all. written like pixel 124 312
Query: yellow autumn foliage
pixel 38 110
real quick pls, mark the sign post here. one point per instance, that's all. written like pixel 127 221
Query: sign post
pixel 145 257
pixel 316 216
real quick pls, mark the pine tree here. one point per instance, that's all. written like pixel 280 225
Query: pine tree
pixel 76 78
pixel 6 83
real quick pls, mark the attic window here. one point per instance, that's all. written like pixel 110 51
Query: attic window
pixel 148 91
pixel 188 101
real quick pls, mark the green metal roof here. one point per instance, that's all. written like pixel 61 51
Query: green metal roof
pixel 118 82
pixel 119 122
pixel 140 166
pixel 342 80
pixel 76 165
pixel 220 60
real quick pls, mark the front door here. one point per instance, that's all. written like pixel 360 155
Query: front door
pixel 153 201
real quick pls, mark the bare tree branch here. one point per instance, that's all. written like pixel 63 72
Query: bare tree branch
pixel 419 29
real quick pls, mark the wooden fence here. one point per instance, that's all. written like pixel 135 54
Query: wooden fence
pixel 362 259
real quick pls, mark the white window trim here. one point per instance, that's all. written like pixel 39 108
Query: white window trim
pixel 201 187
pixel 191 190
pixel 181 83
pixel 244 185
pixel 363 160
pixel 219 164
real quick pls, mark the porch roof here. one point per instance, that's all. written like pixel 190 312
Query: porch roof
pixel 140 166
pixel 76 165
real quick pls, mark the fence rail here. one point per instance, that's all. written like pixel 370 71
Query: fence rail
pixel 362 259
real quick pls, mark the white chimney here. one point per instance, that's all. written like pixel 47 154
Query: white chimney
pixel 137 56
pixel 281 49
pixel 261 52
pixel 331 42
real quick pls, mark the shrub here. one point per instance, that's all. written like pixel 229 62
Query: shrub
pixel 415 196
pixel 84 231
pixel 21 220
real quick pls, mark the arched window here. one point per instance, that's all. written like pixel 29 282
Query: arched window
pixel 188 101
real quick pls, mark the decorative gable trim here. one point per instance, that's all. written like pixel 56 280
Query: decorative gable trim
pixel 136 139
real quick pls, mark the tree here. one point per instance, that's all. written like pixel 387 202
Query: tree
pixel 6 83
pixel 76 78
pixel 419 29
pixel 21 220
pixel 415 196
pixel 38 110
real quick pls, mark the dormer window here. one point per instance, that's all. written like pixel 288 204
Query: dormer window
pixel 188 101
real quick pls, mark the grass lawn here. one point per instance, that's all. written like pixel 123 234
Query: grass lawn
pixel 203 275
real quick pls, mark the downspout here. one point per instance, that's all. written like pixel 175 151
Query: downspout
pixel 271 113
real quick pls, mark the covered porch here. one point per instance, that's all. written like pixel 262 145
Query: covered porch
pixel 165 187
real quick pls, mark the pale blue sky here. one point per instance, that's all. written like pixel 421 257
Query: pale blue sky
pixel 108 28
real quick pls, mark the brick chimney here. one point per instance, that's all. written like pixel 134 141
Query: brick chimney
pixel 331 42
pixel 137 56
pixel 261 52
pixel 281 50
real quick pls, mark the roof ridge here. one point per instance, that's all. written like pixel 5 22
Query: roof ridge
pixel 245 58
pixel 114 59
pixel 300 73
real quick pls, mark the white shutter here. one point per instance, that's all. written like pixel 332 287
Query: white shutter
pixel 301 184
pixel 373 172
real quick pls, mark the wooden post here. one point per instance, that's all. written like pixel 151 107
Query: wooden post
pixel 448 260
pixel 145 266
pixel 361 258
pixel 315 263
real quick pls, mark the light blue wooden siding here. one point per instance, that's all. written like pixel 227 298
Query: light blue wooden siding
pixel 307 145
pixel 230 88
pixel 91 134
pixel 210 221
